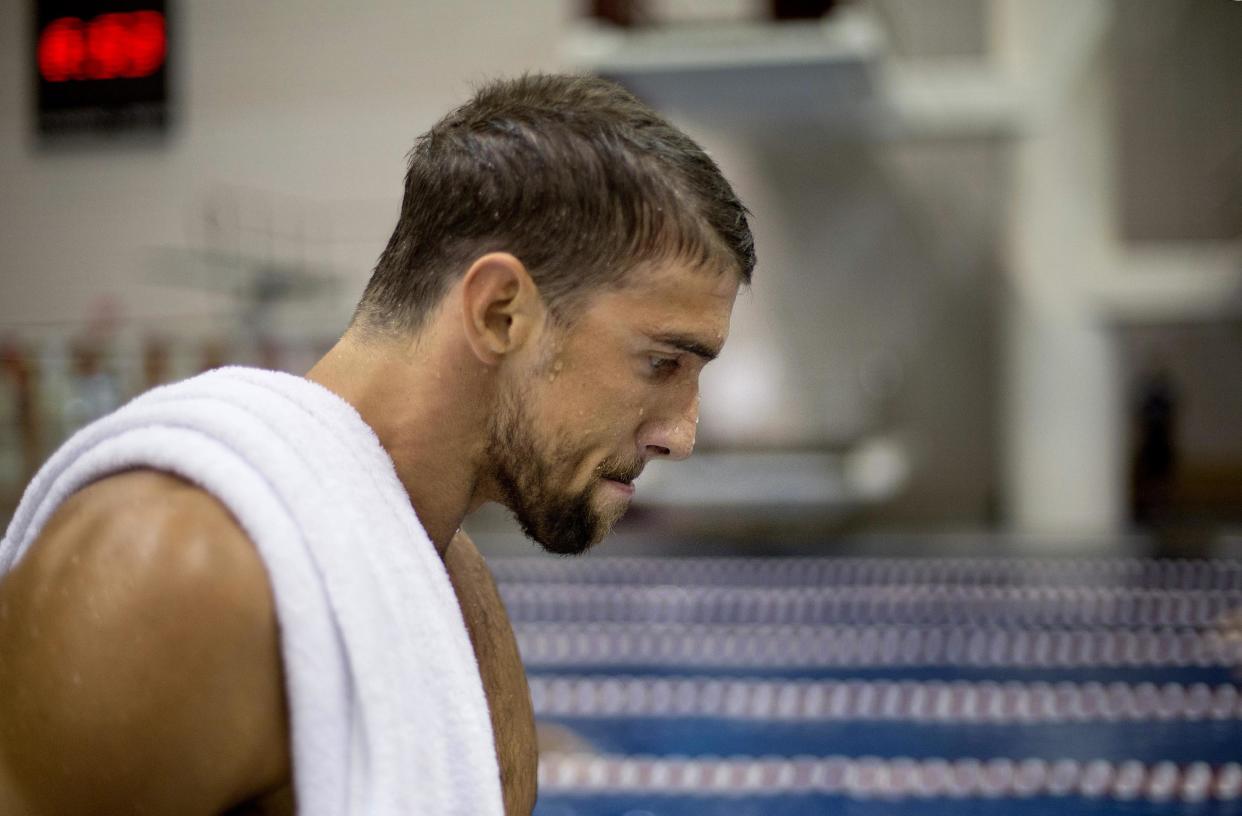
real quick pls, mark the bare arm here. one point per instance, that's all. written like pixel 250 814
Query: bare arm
pixel 140 668
pixel 139 659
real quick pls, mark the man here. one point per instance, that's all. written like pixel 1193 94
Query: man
pixel 564 265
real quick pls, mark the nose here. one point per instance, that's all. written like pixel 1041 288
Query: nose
pixel 671 436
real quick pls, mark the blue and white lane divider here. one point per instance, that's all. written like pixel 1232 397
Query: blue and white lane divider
pixel 713 716
pixel 1023 607
pixel 870 778
pixel 1135 573
pixel 547 646
pixel 905 701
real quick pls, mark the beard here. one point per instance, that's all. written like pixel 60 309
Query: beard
pixel 526 467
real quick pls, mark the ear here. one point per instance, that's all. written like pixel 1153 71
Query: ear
pixel 501 306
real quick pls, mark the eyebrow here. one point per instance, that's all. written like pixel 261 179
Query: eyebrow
pixel 685 342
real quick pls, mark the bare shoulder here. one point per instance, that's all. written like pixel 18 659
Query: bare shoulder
pixel 500 665
pixel 142 653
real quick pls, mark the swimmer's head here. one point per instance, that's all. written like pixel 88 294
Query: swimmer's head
pixel 593 253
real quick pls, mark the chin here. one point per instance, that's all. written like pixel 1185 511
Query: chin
pixel 572 523
pixel 564 547
pixel 574 538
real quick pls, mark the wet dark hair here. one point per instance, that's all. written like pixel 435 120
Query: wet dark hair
pixel 573 176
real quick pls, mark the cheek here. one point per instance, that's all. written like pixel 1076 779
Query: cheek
pixel 597 422
pixel 593 396
pixel 594 392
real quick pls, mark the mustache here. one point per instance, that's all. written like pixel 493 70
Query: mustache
pixel 620 472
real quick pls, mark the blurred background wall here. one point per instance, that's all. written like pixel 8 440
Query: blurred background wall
pixel 997 307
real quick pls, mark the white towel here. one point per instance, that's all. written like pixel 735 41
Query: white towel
pixel 388 714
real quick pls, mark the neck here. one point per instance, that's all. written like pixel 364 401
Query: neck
pixel 430 419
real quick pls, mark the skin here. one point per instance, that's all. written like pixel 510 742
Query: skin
pixel 118 699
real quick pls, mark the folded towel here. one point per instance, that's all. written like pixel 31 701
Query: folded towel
pixel 387 709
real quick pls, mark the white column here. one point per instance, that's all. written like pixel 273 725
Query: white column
pixel 1063 413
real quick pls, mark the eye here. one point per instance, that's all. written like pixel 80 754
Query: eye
pixel 663 366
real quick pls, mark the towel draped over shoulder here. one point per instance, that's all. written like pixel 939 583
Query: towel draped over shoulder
pixel 387 709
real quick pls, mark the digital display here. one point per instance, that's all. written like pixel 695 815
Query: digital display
pixel 101 67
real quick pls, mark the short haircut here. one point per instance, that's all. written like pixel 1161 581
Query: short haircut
pixel 570 174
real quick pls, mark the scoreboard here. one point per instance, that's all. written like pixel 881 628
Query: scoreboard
pixel 101 67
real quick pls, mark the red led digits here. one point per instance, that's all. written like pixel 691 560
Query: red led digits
pixel 111 46
pixel 62 49
pixel 107 44
pixel 146 43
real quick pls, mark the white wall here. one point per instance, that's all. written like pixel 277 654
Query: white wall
pixel 314 100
